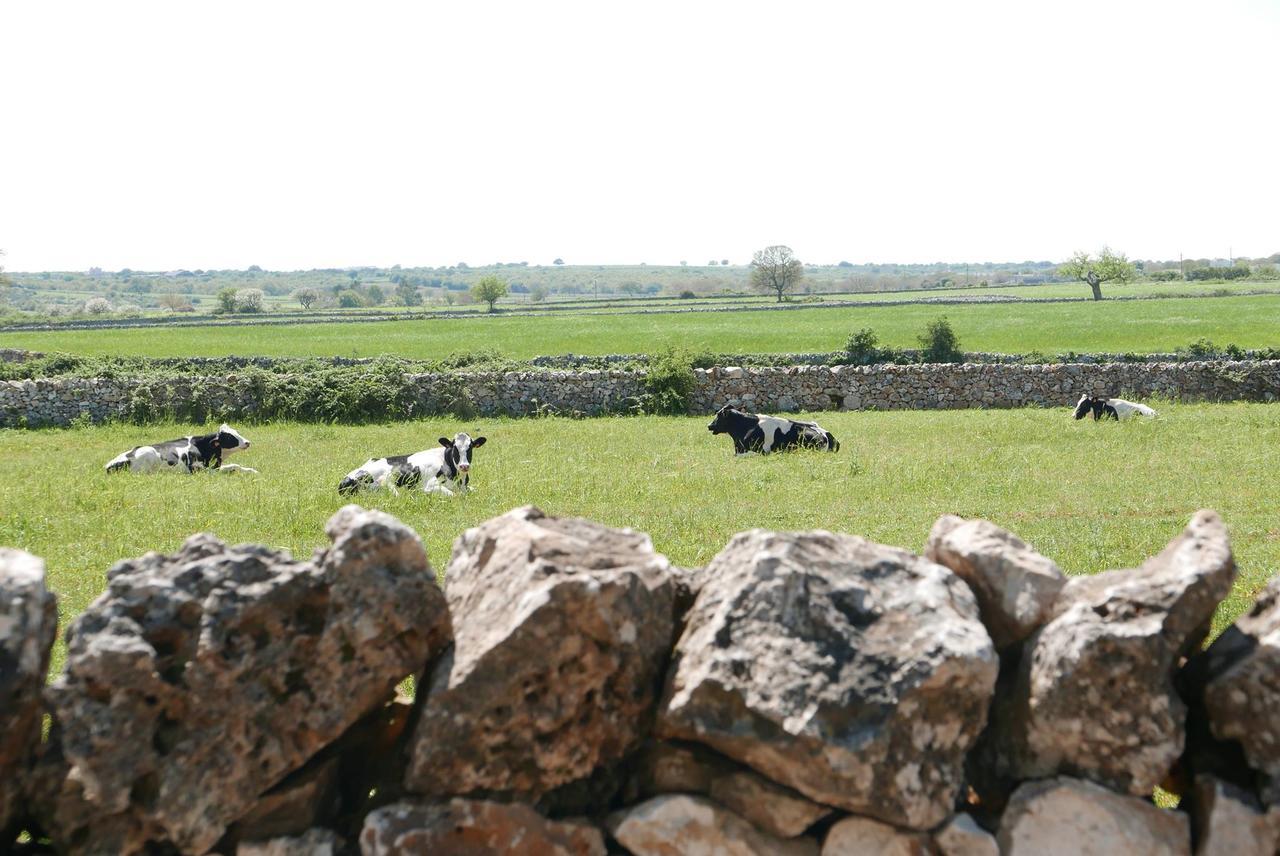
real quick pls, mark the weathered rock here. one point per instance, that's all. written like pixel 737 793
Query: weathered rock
pixel 862 836
pixel 961 836
pixel 305 798
pixel 314 842
pixel 1239 683
pixel 462 827
pixel 857 674
pixel 1229 822
pixel 1093 695
pixel 28 625
pixel 777 810
pixel 679 824
pixel 199 680
pixel 1067 817
pixel 563 627
pixel 1016 587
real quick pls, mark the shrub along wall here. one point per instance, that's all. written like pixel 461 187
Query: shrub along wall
pixel 357 394
pixel 804 693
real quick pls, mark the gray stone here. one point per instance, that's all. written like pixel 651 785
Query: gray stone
pixel 563 627
pixel 463 827
pixel 228 667
pixel 314 842
pixel 854 673
pixel 28 626
pixel 1016 587
pixel 1068 817
pixel 1229 821
pixel 777 810
pixel 1093 695
pixel 961 836
pixel 862 836
pixel 1240 688
pixel 682 825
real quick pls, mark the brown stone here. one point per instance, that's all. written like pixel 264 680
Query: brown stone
pixel 1067 817
pixel 777 810
pixel 314 842
pixel 1015 586
pixel 962 836
pixel 854 673
pixel 463 827
pixel 1230 822
pixel 198 681
pixel 563 627
pixel 28 626
pixel 862 836
pixel 679 824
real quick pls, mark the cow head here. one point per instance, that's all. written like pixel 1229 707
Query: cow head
pixel 458 450
pixel 726 418
pixel 1085 406
pixel 230 440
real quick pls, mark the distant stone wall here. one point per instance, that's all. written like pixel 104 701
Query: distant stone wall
pixel 60 401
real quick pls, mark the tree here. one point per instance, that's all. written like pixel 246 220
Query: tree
pixel 558 262
pixel 350 300
pixel 249 300
pixel 724 263
pixel 489 289
pixel 776 269
pixel 374 295
pixel 1106 267
pixel 537 294
pixel 306 297
pixel 226 300
pixel 939 343
pixel 97 306
pixel 408 294
pixel 175 303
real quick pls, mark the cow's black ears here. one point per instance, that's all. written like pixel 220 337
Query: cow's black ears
pixel 479 441
pixel 446 442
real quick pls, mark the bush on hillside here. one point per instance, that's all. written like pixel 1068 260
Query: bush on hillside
pixel 669 382
pixel 939 343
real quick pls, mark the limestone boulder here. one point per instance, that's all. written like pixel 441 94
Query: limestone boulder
pixel 962 836
pixel 862 836
pixel 854 673
pixel 563 628
pixel 28 626
pixel 1067 817
pixel 661 767
pixel 1238 684
pixel 199 680
pixel 680 824
pixel 313 842
pixel 461 827
pixel 1016 587
pixel 777 810
pixel 1228 821
pixel 1093 695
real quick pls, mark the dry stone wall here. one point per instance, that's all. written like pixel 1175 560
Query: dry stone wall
pixel 61 401
pixel 807 693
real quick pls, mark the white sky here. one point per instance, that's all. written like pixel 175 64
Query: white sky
pixel 297 135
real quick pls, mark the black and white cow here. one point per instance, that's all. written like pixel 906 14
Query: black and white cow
pixel 1109 408
pixel 752 432
pixel 430 468
pixel 190 453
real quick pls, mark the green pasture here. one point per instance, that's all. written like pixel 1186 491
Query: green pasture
pixel 1139 326
pixel 1090 495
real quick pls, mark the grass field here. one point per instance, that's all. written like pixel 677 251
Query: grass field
pixel 1140 326
pixel 1092 496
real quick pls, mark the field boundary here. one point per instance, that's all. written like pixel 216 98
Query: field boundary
pixel 361 396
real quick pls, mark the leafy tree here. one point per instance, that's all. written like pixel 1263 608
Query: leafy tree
pixel 558 262
pixel 175 303
pixel 97 306
pixel 776 269
pixel 374 295
pixel 538 294
pixel 306 297
pixel 939 343
pixel 350 299
pixel 630 287
pixel 724 263
pixel 489 289
pixel 1107 266
pixel 408 294
pixel 249 300
pixel 226 300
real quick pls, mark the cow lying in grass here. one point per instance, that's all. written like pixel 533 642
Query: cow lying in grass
pixel 752 432
pixel 191 453
pixel 430 468
pixel 1109 408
